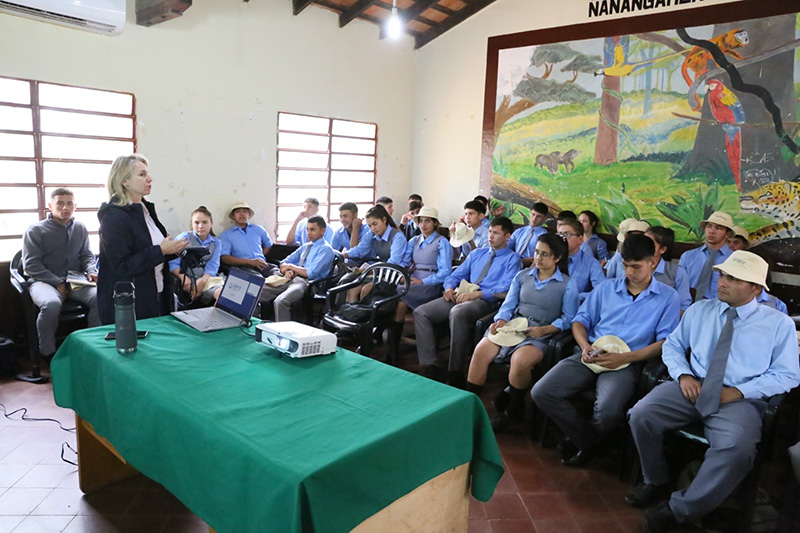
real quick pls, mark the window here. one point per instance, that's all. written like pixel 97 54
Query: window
pixel 326 158
pixel 57 136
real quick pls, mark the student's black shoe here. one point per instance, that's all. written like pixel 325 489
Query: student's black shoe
pixel 501 401
pixel 645 494
pixel 567 448
pixel 659 519
pixel 500 421
pixel 457 380
pixel 435 373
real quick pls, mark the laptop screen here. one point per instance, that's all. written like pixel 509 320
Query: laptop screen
pixel 240 293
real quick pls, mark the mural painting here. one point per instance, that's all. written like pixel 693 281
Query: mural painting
pixel 665 126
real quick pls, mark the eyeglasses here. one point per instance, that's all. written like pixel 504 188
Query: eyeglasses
pixel 543 255
pixel 567 235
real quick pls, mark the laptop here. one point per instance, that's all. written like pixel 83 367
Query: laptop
pixel 236 303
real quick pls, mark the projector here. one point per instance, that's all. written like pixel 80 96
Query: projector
pixel 295 339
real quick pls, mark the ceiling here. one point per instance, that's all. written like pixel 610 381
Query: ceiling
pixel 424 20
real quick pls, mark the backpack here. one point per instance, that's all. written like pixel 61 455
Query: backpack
pixel 361 311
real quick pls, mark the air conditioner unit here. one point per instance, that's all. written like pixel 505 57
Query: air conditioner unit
pixel 98 16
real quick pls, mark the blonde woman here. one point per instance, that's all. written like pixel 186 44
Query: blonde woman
pixel 134 246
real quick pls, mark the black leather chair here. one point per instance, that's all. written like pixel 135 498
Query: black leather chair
pixel 316 294
pixel 363 331
pixel 72 313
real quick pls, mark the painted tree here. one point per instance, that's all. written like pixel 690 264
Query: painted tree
pixel 605 148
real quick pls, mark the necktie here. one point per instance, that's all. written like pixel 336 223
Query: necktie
pixel 704 280
pixel 522 251
pixel 486 267
pixel 708 401
pixel 304 255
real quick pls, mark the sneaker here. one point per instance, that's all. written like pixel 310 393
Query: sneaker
pixel 500 421
pixel 659 519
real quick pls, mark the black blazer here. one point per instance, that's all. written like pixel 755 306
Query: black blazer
pixel 127 253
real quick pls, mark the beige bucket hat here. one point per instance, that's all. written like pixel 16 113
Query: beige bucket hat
pixel 466 287
pixel 633 225
pixel 511 334
pixel 425 211
pixel 739 231
pixel 276 280
pixel 240 205
pixel 745 266
pixel 719 218
pixel 612 344
pixel 462 235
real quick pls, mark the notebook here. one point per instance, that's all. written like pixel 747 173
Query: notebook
pixel 236 303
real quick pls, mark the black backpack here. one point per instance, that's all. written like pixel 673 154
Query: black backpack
pixel 361 311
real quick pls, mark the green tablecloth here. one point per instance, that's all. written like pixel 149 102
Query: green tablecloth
pixel 251 441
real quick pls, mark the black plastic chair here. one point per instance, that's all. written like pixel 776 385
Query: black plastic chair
pixel 379 272
pixel 316 294
pixel 695 432
pixel 71 312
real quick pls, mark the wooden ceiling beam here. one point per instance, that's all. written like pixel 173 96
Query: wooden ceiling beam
pixel 358 7
pixel 299 5
pixel 451 22
pixel 419 7
pixel 446 10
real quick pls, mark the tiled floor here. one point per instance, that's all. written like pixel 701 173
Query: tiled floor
pixel 39 492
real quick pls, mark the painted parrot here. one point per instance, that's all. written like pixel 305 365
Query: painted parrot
pixel 728 111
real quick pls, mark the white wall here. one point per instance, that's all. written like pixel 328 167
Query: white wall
pixel 448 105
pixel 209 85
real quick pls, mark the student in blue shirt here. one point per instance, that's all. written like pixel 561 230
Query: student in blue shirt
pixel 297 233
pixel 473 217
pixel 347 236
pixel 697 263
pixel 485 201
pixel 761 361
pixel 523 241
pixel 629 226
pixel 639 310
pixel 591 240
pixel 492 269
pixel 430 259
pixel 245 245
pixel 194 283
pixel 407 224
pixel 313 260
pixel 584 269
pixel 549 299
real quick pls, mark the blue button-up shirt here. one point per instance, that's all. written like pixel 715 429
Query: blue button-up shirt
pixel 505 266
pixel 692 264
pixel 602 247
pixel 519 237
pixel 341 237
pixel 681 282
pixel 586 271
pixel 212 266
pixel 396 254
pixel 764 297
pixel 569 302
pixel 485 222
pixel 763 360
pixel 444 260
pixel 611 310
pixel 318 262
pixel 481 240
pixel 245 243
pixel 614 267
pixel 301 236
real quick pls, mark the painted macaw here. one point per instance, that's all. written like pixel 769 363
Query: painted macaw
pixel 728 111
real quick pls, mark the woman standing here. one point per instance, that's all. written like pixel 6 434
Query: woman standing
pixel 133 244
pixel 547 297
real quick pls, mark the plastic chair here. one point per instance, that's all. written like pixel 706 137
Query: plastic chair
pixel 379 272
pixel 316 294
pixel 71 311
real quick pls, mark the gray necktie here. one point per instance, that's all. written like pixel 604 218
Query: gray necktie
pixel 708 401
pixel 486 267
pixel 704 281
pixel 304 255
pixel 525 246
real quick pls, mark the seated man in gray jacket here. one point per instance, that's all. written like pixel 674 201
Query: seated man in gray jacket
pixel 51 249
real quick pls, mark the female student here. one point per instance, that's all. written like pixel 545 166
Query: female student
pixel 591 240
pixel 549 299
pixel 202 234
pixel 432 258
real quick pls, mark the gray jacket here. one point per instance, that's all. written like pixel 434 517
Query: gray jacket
pixel 50 250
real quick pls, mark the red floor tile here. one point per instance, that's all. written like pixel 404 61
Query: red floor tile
pixel 546 506
pixel 512 526
pixel 505 506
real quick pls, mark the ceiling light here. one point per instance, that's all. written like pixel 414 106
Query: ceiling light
pixel 394 28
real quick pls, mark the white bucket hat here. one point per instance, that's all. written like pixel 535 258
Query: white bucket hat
pixel 511 334
pixel 739 231
pixel 465 287
pixel 633 225
pixel 240 205
pixel 425 211
pixel 719 218
pixel 462 235
pixel 745 266
pixel 276 280
pixel 612 344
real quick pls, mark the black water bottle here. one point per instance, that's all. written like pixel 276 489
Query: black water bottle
pixel 125 316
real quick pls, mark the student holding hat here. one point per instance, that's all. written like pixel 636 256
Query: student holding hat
pixel 698 263
pixel 628 226
pixel 741 353
pixel 460 235
pixel 245 244
pixel 523 240
pixel 546 300
pixel 430 259
pixel 641 312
